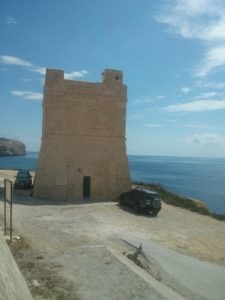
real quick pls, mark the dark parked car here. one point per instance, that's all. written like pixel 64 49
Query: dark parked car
pixel 142 200
pixel 23 179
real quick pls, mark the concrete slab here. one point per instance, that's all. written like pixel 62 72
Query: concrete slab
pixel 192 278
pixel 101 275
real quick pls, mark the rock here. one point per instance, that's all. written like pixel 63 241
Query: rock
pixel 35 283
pixel 10 147
pixel 39 257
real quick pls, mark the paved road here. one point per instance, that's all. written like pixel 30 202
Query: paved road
pixel 188 276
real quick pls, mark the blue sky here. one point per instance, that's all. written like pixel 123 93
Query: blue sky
pixel 172 54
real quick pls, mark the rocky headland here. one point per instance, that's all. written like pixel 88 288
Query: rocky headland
pixel 9 147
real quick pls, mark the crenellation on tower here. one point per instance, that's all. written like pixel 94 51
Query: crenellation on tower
pixel 53 75
pixel 113 77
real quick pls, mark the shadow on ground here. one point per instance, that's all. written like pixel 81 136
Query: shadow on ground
pixel 130 210
pixel 24 197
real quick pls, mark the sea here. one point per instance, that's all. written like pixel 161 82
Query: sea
pixel 197 178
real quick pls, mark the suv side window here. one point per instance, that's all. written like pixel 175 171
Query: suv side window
pixel 144 196
pixel 135 195
pixel 149 197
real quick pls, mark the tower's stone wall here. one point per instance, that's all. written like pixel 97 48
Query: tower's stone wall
pixel 83 135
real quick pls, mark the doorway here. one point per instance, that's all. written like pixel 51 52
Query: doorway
pixel 87 186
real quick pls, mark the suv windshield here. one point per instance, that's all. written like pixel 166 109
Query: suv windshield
pixel 23 175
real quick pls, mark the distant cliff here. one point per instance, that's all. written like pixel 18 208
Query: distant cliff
pixel 11 147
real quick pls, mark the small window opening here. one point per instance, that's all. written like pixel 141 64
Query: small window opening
pixel 117 77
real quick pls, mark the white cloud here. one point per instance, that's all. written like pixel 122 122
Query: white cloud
pixel 148 99
pixel 12 60
pixel 195 19
pixel 207 139
pixel 214 58
pixel 153 125
pixel 40 70
pixel 160 97
pixel 11 21
pixel 75 74
pixel 210 84
pixel 198 126
pixel 206 95
pixel 144 100
pixel 185 89
pixel 28 95
pixel 203 20
pixel 196 106
pixel 26 79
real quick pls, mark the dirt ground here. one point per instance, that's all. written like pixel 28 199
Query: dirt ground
pixel 60 239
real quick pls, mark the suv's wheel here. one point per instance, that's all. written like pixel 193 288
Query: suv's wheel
pixel 155 212
pixel 136 207
pixel 121 200
pixel 157 205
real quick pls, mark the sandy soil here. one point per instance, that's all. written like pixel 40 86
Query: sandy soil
pixel 60 233
pixel 184 231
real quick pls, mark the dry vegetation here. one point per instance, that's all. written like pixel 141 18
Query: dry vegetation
pixel 42 278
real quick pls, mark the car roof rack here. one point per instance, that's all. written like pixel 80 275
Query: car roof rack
pixel 140 188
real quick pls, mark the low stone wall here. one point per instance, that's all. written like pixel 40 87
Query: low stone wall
pixel 12 283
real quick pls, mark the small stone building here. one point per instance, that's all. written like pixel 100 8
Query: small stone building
pixel 83 150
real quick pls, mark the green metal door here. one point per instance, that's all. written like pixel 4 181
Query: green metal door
pixel 86 186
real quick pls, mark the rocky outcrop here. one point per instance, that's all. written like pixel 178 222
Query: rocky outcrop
pixel 10 147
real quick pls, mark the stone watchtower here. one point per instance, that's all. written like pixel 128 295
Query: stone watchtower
pixel 83 150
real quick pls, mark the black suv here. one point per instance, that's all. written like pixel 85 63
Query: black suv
pixel 23 179
pixel 142 200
